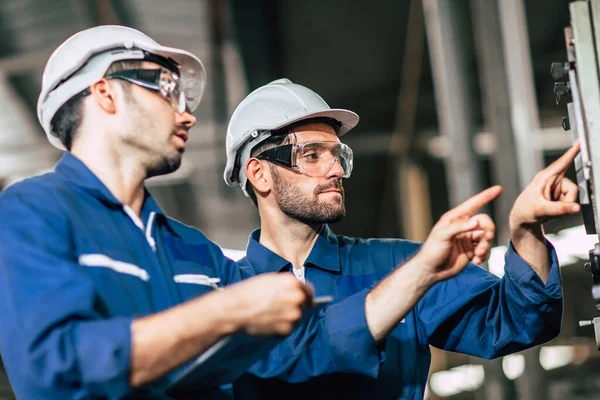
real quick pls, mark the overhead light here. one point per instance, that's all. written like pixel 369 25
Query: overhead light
pixel 513 366
pixel 571 245
pixel 552 357
pixel 235 255
pixel 456 380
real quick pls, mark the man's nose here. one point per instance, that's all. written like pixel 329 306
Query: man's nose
pixel 336 169
pixel 186 119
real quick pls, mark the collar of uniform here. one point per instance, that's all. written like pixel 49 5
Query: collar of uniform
pixel 262 259
pixel 150 205
pixel 76 172
pixel 324 254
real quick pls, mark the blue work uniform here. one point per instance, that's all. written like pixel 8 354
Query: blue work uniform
pixel 474 313
pixel 77 267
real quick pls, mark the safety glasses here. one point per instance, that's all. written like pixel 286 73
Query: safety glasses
pixel 314 159
pixel 163 81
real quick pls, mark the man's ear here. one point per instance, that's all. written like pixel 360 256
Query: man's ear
pixel 103 93
pixel 259 176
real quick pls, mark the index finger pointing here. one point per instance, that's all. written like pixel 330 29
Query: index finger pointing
pixel 561 165
pixel 470 206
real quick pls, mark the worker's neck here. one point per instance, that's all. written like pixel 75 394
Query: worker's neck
pixel 287 237
pixel 123 176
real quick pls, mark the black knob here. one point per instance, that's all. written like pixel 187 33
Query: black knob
pixel 561 89
pixel 559 70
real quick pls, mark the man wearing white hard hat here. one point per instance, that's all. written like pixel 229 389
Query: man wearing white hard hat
pixel 101 294
pixel 284 151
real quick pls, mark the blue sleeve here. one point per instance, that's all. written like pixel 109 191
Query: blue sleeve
pixel 478 314
pixel 54 343
pixel 322 345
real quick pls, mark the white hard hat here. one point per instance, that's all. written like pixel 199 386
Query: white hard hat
pixel 269 108
pixel 84 58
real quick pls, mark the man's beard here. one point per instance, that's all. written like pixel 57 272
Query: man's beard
pixel 307 207
pixel 159 157
pixel 165 165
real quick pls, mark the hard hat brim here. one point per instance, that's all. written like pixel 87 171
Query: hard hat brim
pixel 348 120
pixel 191 71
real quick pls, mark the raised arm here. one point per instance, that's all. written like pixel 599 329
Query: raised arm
pixel 549 195
pixel 459 237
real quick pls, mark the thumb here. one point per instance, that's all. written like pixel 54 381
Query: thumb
pixel 457 227
pixel 557 208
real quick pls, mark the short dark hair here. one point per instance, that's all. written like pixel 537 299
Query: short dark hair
pixel 278 138
pixel 69 116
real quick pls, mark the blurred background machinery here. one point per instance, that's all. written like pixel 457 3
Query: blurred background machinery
pixel 453 96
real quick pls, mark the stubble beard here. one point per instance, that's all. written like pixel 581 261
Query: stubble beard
pixel 307 207
pixel 160 158
pixel 165 163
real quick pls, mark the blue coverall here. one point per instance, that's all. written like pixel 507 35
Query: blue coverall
pixel 474 313
pixel 77 267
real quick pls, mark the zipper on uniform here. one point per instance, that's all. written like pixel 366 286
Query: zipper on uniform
pixel 138 222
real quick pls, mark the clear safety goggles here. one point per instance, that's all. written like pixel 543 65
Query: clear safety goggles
pixel 314 159
pixel 163 81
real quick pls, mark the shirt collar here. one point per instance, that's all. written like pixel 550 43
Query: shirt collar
pixel 76 172
pixel 324 254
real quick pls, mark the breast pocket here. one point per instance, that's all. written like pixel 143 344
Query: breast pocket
pixel 122 286
pixel 194 279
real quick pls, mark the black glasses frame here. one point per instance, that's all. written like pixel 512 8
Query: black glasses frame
pixel 281 155
pixel 147 78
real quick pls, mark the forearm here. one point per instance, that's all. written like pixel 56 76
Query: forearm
pixel 395 297
pixel 480 315
pixel 529 242
pixel 162 342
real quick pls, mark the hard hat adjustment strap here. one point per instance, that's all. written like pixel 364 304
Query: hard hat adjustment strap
pixel 168 63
